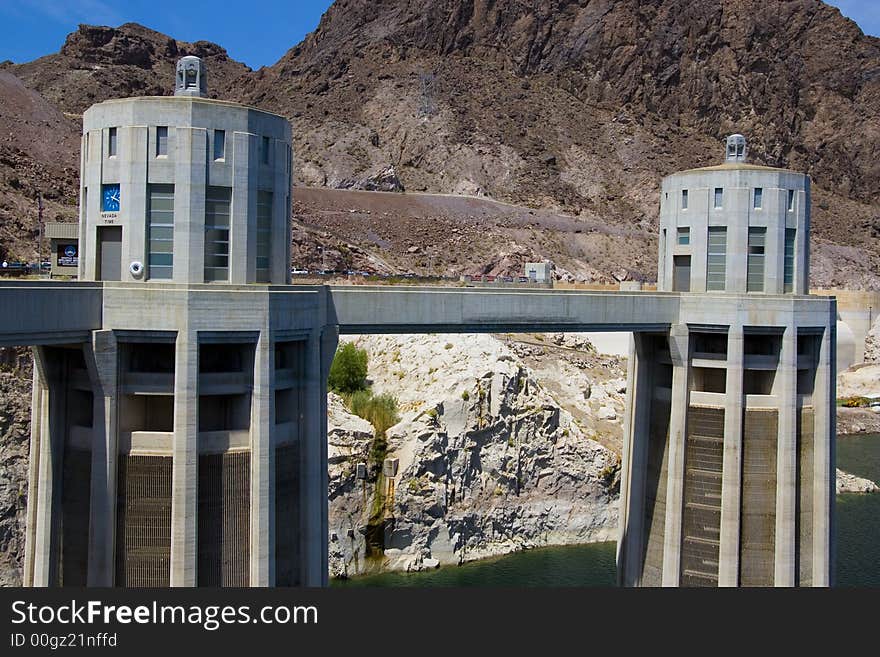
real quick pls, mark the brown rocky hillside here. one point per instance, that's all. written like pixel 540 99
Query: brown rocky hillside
pixel 578 107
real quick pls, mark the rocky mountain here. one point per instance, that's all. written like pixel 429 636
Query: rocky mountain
pixel 96 63
pixel 578 107
pixel 39 155
pixel 583 106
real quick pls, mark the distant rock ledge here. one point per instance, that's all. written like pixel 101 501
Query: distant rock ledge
pixel 849 483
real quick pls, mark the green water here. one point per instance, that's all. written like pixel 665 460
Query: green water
pixel 858 516
pixel 858 545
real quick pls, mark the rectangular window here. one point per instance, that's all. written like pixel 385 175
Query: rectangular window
pixel 684 236
pixel 160 231
pixel 265 150
pixel 759 197
pixel 788 269
pixel 791 200
pixel 86 146
pixel 719 197
pixel 264 234
pixel 111 142
pixel 684 199
pixel 217 202
pixel 161 140
pixel 219 144
pixel 755 267
pixel 717 260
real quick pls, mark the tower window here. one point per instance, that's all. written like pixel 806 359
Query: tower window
pixel 161 140
pixel 788 267
pixel 719 197
pixel 161 231
pixel 264 235
pixel 111 142
pixel 791 200
pixel 684 199
pixel 717 259
pixel 217 202
pixel 265 150
pixel 759 198
pixel 219 144
pixel 755 266
pixel 684 236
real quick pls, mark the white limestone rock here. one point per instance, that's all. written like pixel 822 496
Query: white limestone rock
pixel 489 461
pixel 850 483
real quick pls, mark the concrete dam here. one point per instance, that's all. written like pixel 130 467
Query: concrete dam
pixel 179 412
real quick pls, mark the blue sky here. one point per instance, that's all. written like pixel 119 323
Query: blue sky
pixel 257 32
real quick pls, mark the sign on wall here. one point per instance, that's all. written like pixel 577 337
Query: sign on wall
pixel 68 255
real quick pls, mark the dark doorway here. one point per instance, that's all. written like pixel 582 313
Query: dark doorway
pixel 681 274
pixel 109 253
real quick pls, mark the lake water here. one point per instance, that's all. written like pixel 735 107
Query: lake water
pixel 858 545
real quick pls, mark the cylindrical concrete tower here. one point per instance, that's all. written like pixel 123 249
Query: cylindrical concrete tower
pixel 735 227
pixel 185 189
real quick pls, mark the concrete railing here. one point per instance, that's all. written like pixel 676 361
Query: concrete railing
pixel 37 312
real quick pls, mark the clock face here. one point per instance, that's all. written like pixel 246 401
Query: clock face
pixel 110 198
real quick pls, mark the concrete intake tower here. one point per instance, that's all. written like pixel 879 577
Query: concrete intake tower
pixel 179 411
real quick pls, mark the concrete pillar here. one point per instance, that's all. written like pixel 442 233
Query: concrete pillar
pixel 634 463
pixel 102 364
pixel 279 264
pixel 49 477
pixel 37 394
pixel 190 178
pixel 185 470
pixel 625 465
pixel 731 482
pixel 243 217
pixel 262 500
pixel 824 463
pixel 313 459
pixel 133 155
pixel 786 460
pixel 679 350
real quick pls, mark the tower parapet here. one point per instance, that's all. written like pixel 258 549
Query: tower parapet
pixel 735 227
pixel 185 189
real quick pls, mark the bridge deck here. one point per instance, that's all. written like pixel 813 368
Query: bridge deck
pixel 44 312
pixel 385 309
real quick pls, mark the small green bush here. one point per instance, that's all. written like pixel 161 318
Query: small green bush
pixel 348 372
pixel 465 395
pixel 378 410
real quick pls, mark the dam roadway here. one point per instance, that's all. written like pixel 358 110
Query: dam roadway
pixel 42 312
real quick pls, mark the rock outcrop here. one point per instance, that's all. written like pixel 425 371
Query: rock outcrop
pixel 489 462
pixel 861 380
pixel 872 343
pixel 385 180
pixel 849 483
pixel 15 421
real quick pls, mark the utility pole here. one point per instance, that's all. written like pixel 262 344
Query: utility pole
pixel 40 220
